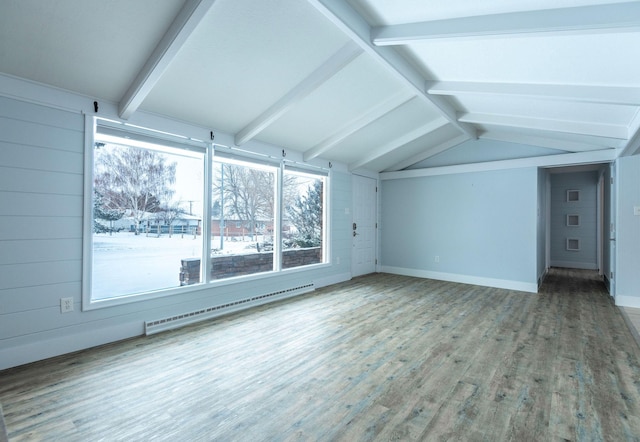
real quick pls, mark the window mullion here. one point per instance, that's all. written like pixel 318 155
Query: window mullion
pixel 277 230
pixel 205 262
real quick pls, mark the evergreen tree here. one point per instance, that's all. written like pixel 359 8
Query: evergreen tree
pixel 103 212
pixel 306 215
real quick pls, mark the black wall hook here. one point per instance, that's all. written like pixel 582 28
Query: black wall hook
pixel 95 107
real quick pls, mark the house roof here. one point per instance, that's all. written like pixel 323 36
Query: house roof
pixel 378 85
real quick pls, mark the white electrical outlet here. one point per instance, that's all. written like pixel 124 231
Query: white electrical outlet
pixel 437 258
pixel 66 305
pixel 338 260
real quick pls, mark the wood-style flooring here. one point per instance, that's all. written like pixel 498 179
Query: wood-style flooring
pixel 632 317
pixel 381 357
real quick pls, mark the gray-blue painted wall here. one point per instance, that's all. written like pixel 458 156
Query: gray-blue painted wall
pixel 627 273
pixel 542 218
pixel 481 226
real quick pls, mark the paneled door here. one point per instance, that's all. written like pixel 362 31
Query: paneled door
pixel 363 256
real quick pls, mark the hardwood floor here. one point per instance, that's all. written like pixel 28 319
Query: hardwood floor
pixel 381 357
pixel 632 318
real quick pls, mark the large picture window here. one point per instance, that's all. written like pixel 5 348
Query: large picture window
pixel 147 215
pixel 164 213
pixel 303 220
pixel 243 217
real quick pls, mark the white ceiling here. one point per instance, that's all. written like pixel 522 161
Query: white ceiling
pixel 378 85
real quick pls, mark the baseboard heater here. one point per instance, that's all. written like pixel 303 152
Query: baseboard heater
pixel 171 322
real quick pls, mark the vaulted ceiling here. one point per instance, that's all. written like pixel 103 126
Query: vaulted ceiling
pixel 376 84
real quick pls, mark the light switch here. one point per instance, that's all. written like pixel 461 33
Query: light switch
pixel 636 210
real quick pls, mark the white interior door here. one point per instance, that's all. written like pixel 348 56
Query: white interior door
pixel 363 256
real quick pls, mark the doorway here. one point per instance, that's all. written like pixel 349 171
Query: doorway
pixel 579 202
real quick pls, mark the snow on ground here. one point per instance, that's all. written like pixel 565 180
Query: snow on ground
pixel 125 263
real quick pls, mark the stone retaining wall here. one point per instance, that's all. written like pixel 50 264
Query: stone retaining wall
pixel 226 266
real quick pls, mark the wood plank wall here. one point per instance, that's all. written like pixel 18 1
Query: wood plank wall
pixel 41 233
pixel 41 173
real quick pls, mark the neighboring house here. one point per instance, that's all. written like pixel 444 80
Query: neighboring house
pixel 238 228
pixel 151 223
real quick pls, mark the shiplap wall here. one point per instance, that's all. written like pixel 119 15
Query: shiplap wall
pixel 586 208
pixel 41 207
pixel 41 173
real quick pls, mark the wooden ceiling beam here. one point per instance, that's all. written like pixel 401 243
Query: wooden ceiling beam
pixel 191 14
pixel 615 17
pixel 532 140
pixel 399 142
pixel 617 95
pixel 590 128
pixel 428 153
pixel 341 14
pixel 332 66
pixel 566 159
pixel 373 114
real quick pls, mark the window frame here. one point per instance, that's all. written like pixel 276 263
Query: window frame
pixel 310 172
pixel 223 155
pixel 210 151
pixel 175 141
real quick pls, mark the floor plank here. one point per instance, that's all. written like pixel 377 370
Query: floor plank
pixel 382 357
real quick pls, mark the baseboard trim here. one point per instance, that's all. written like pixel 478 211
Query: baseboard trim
pixel 542 277
pixel 74 339
pixel 333 279
pixel 574 265
pixel 627 301
pixel 630 326
pixel 531 287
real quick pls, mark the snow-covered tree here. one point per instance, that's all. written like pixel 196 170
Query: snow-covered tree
pixel 247 194
pixel 102 212
pixel 306 215
pixel 133 179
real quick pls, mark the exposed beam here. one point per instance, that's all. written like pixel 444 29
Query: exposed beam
pixel 532 140
pixel 633 145
pixel 602 142
pixel 567 159
pixel 332 66
pixel 399 142
pixel 378 111
pixel 432 151
pixel 572 127
pixel 355 27
pixel 192 12
pixel 618 95
pixel 617 17
pixel 633 148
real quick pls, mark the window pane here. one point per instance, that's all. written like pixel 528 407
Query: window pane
pixel 303 219
pixel 242 219
pixel 147 214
